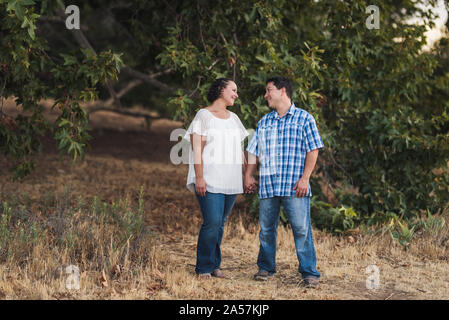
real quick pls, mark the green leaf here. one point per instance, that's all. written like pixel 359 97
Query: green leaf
pixel 31 32
pixel 26 2
pixel 68 59
pixel 19 12
pixel 11 5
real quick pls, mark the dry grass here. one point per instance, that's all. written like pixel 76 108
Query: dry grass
pixel 157 261
pixel 173 219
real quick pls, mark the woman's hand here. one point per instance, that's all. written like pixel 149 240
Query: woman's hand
pixel 249 184
pixel 200 186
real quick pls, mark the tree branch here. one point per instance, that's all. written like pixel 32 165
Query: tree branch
pixel 213 64
pixel 58 19
pixel 136 82
pixel 84 43
pixel 131 85
pixel 160 73
pixel 147 78
pixel 197 87
pixel 102 107
pixel 150 79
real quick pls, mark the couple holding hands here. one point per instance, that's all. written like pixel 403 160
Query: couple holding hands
pixel 285 144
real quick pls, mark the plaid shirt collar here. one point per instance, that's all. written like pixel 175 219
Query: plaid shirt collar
pixel 275 115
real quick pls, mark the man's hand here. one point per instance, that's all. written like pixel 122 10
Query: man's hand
pixel 301 187
pixel 200 186
pixel 249 184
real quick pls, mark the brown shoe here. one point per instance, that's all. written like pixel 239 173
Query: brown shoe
pixel 311 282
pixel 219 274
pixel 263 275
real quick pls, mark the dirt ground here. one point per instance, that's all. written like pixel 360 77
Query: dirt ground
pixel 125 156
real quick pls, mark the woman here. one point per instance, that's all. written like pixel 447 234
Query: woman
pixel 215 172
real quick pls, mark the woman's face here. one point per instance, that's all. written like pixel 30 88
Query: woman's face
pixel 229 94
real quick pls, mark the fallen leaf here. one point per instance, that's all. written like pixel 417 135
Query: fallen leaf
pixel 116 270
pixel 104 280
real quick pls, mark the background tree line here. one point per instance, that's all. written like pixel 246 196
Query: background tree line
pixel 381 102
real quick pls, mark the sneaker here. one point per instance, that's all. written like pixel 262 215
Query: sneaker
pixel 263 275
pixel 311 282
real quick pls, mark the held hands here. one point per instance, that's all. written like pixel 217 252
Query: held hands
pixel 200 186
pixel 249 184
pixel 301 187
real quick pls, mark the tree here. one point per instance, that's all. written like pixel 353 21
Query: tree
pixel 379 100
pixel 371 90
pixel 31 71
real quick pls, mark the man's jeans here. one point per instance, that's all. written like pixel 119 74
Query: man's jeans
pixel 215 207
pixel 298 214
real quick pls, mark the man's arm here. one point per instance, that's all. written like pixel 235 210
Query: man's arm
pixel 302 185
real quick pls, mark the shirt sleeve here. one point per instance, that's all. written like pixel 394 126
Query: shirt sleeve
pixel 242 130
pixel 197 126
pixel 252 145
pixel 312 136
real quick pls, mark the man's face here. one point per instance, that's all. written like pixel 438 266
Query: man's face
pixel 272 94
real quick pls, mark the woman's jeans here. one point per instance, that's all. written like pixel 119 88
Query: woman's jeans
pixel 298 214
pixel 215 207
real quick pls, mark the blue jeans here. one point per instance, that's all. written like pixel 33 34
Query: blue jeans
pixel 215 207
pixel 298 214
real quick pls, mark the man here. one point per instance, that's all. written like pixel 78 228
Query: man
pixel 286 142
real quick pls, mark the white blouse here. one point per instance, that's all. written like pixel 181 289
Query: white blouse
pixel 222 154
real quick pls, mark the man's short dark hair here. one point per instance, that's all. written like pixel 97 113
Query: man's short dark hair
pixel 282 82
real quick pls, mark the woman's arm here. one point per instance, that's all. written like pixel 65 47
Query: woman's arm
pixel 249 182
pixel 198 143
pixel 244 162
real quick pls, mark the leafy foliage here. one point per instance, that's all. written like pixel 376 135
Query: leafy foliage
pixel 380 100
pixel 373 92
pixel 335 220
pixel 31 71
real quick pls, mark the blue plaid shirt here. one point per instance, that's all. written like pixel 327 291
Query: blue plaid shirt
pixel 281 144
